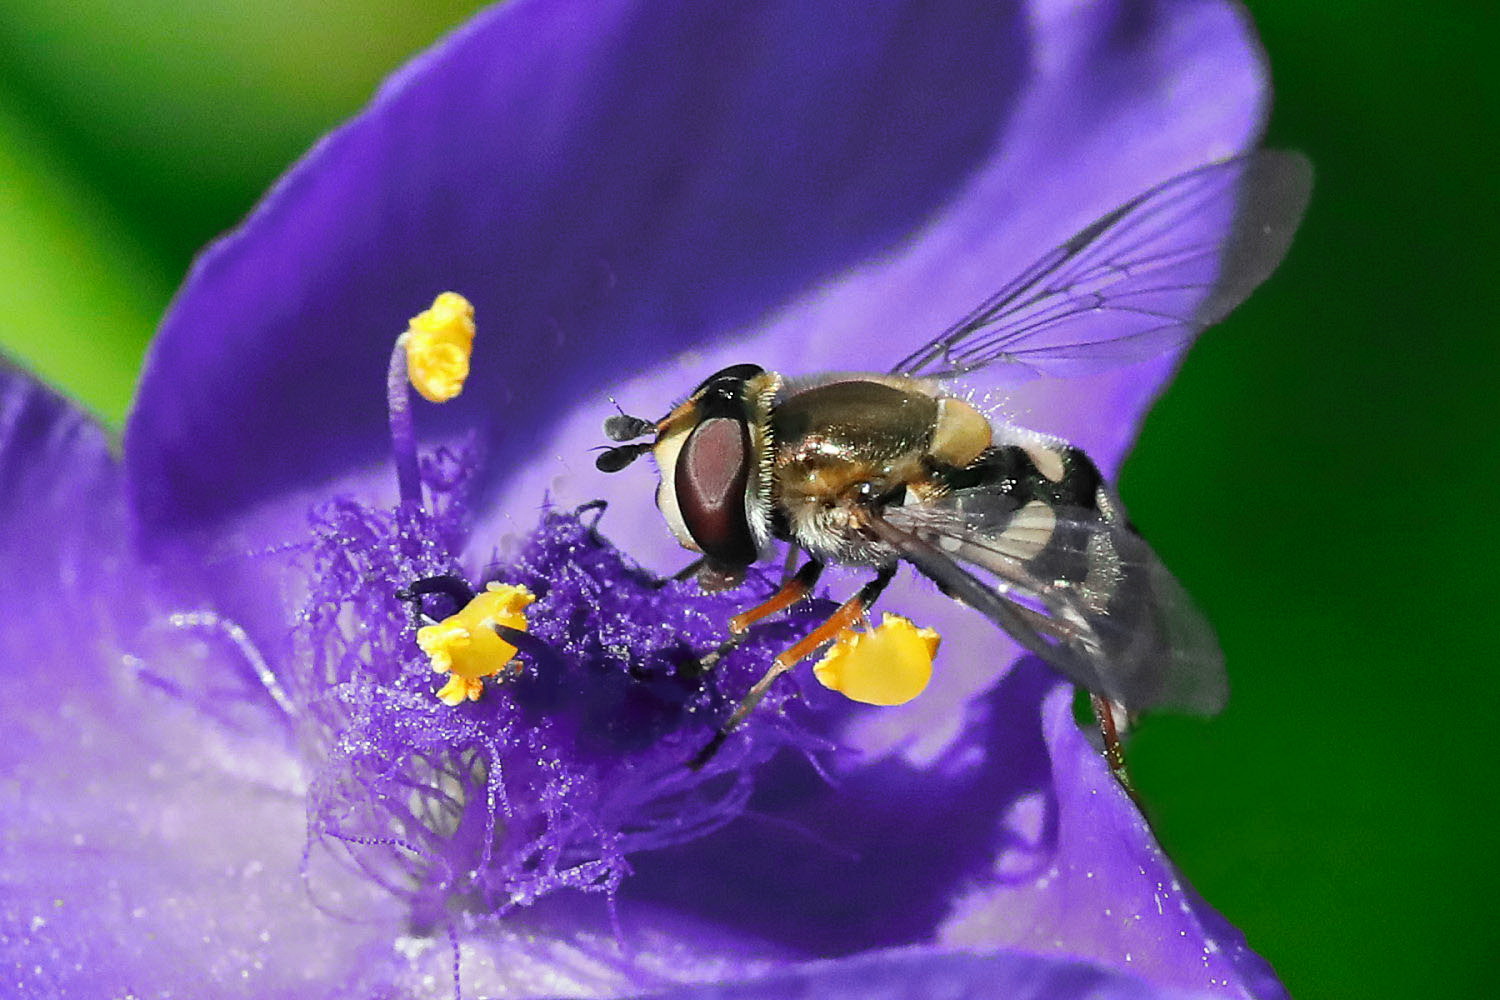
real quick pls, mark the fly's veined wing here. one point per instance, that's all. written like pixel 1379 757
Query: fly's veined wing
pixel 1085 594
pixel 1142 280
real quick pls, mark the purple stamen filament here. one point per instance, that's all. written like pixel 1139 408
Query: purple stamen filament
pixel 403 427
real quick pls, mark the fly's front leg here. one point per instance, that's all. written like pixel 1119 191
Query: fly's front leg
pixel 797 587
pixel 847 614
pixel 686 573
pixel 456 589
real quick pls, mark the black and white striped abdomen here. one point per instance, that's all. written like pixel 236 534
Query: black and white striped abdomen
pixel 1022 496
pixel 1051 541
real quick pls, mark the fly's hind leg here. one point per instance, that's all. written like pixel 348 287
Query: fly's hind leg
pixel 1109 714
pixel 1105 711
pixel 847 614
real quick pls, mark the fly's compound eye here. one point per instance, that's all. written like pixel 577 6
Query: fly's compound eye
pixel 713 473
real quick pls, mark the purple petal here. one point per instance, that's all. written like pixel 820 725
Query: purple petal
pixel 1015 838
pixel 1108 892
pixel 687 963
pixel 146 854
pixel 505 966
pixel 615 184
pixel 140 851
pixel 900 975
pixel 61 521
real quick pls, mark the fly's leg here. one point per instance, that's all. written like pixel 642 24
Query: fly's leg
pixel 1107 713
pixel 456 589
pixel 797 587
pixel 847 614
pixel 787 566
pixel 1114 750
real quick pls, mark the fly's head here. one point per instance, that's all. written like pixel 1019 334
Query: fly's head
pixel 713 452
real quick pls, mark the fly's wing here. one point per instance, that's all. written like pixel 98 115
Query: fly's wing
pixel 1142 280
pixel 1081 591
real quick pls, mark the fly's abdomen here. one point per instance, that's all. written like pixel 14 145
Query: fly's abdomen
pixel 1039 506
pixel 1059 476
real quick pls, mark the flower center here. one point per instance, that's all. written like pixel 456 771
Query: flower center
pixel 485 796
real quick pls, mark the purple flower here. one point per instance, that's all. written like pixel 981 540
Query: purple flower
pixel 225 771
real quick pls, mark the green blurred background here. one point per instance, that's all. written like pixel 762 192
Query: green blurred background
pixel 1321 475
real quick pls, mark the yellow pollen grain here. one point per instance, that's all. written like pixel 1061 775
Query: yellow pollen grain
pixel 466 644
pixel 888 665
pixel 438 343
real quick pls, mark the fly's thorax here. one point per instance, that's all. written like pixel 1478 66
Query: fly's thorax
pixel 838 441
pixel 846 441
pixel 879 417
pixel 863 417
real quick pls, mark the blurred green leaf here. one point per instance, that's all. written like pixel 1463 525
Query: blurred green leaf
pixel 183 113
pixel 1320 476
pixel 81 297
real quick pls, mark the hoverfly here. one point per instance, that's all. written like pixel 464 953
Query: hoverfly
pixel 875 470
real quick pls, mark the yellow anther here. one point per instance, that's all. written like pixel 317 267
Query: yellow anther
pixel 466 644
pixel 888 665
pixel 438 344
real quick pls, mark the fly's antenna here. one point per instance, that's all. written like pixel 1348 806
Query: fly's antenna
pixel 615 459
pixel 623 427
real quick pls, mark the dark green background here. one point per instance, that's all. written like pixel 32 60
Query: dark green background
pixel 1321 475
